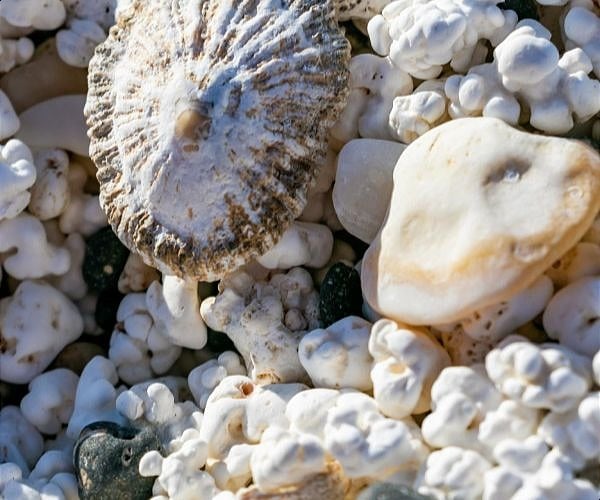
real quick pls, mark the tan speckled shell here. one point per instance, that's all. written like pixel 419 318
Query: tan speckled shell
pixel 208 119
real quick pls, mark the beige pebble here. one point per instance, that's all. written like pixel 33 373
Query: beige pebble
pixel 478 211
pixel 56 123
pixel 363 185
pixel 44 77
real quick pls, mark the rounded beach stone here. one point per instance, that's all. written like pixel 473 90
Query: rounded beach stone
pixel 479 210
pixel 105 258
pixel 106 458
pixel 390 491
pixel 340 294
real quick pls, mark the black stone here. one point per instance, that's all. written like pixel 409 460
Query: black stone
pixel 218 342
pixel 389 491
pixel 340 294
pixel 105 258
pixel 525 9
pixel 106 308
pixel 106 458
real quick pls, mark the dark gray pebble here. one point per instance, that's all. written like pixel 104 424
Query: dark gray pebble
pixel 106 458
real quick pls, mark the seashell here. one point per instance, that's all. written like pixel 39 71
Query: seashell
pixel 207 121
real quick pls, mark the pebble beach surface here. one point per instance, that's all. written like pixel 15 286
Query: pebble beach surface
pixel 300 249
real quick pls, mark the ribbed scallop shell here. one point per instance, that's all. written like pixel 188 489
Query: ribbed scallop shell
pixel 207 121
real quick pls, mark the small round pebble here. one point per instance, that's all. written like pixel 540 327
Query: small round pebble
pixel 340 294
pixel 106 459
pixel 75 356
pixel 390 491
pixel 105 258
pixel 105 314
pixel 218 342
pixel 525 9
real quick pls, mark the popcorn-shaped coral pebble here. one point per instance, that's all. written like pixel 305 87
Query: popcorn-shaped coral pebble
pixel 414 114
pixel 14 53
pixel 76 44
pixel 238 412
pixel 35 256
pixel 421 37
pixel 36 323
pixel 303 244
pixel 95 396
pixel 175 308
pixel 179 474
pixel 582 29
pixel 157 403
pixel 46 15
pixel 138 347
pixel 573 316
pixel 265 321
pixel 9 121
pixel 407 361
pixel 20 442
pixel 549 376
pixel 338 356
pixel 50 193
pixel 453 472
pixel 367 444
pixel 527 470
pixel 17 175
pixel 374 83
pixel 205 377
pixel 49 402
pixel 285 458
pixel 460 398
pixel 576 434
pixel 527 68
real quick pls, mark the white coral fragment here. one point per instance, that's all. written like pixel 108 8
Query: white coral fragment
pixel 414 114
pixel 303 244
pixel 50 193
pixel 374 83
pixel 548 376
pixel 285 458
pixel 573 316
pixel 238 412
pixel 367 444
pixel 338 357
pixel 265 321
pixel 179 474
pixel 420 37
pixel 175 308
pixel 204 378
pixel 454 473
pixel 47 15
pixel 76 44
pixel 527 470
pixel 460 398
pixel 407 361
pixel 576 434
pixel 582 29
pixel 49 402
pixel 528 68
pixel 138 347
pixel 36 323
pixel 9 121
pixel 14 52
pixel 20 442
pixel 35 257
pixel 95 396
pixel 17 175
